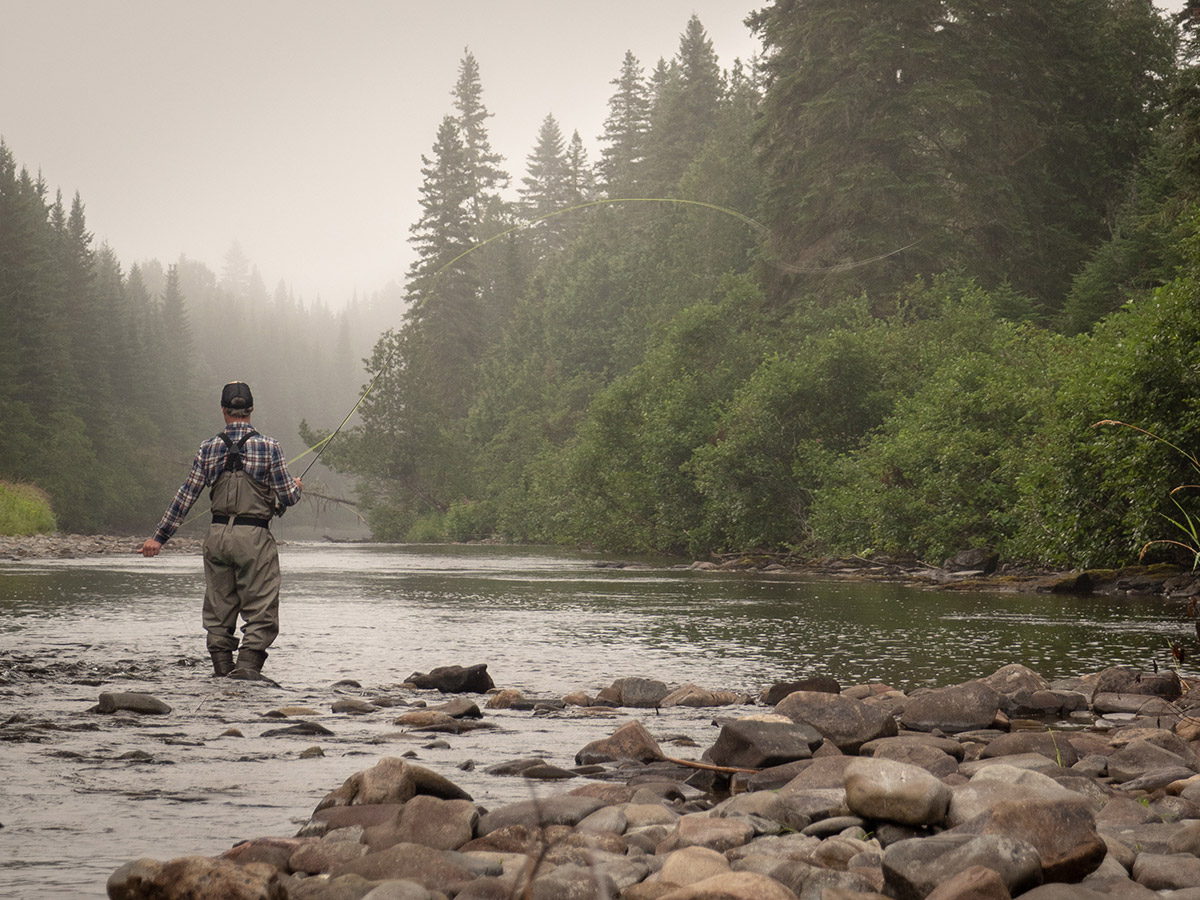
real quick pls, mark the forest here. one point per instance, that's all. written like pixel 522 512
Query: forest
pixel 869 292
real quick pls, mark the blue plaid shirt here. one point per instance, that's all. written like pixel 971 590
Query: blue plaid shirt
pixel 262 460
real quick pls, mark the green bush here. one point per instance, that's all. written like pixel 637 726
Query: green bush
pixel 24 509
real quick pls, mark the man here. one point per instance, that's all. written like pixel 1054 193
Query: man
pixel 249 484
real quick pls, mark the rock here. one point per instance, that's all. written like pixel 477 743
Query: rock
pixel 820 683
pixel 895 792
pixel 1062 831
pixel 962 707
pixel 980 559
pixel 428 821
pixel 1055 747
pixel 392 780
pixel 301 728
pixel 504 699
pixel 1015 678
pixel 131 702
pixel 972 883
pixel 846 723
pixel 629 742
pixel 733 886
pixel 691 695
pixel 332 818
pixel 1141 757
pixel 642 693
pixel 1162 872
pixel 455 679
pixel 931 759
pixel 571 882
pixel 353 706
pixel 195 878
pixel 1121 680
pixel 437 870
pixel 317 857
pixel 703 831
pixel 563 809
pixel 913 868
pixel 756 745
pixel 692 864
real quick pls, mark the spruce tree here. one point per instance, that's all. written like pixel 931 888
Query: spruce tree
pixel 625 130
pixel 482 165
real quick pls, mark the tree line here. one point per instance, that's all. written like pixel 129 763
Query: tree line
pixel 110 376
pixel 867 292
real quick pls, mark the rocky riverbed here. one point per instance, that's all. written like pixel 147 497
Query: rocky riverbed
pixel 999 787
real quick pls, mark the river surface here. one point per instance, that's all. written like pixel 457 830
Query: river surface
pixel 82 792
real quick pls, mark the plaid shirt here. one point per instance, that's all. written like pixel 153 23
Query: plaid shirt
pixel 262 460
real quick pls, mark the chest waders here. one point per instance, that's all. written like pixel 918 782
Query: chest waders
pixel 241 568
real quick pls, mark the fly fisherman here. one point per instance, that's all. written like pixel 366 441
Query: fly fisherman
pixel 249 484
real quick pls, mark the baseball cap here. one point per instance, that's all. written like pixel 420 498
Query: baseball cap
pixel 236 395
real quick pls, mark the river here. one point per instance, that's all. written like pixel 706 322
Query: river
pixel 84 792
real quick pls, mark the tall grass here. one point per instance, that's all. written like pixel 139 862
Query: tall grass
pixel 25 509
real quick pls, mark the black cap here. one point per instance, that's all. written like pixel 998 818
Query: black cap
pixel 236 395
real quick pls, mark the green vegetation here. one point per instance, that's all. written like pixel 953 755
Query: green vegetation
pixel 24 510
pixel 980 235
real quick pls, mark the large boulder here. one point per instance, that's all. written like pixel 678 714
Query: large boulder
pixel 895 792
pixel 563 809
pixel 635 691
pixel 437 870
pixel 1121 680
pixel 846 723
pixel 961 707
pixel 698 697
pixel 780 689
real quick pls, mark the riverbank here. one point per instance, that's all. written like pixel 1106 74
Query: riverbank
pixel 990 788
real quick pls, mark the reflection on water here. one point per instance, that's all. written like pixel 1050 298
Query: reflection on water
pixel 546 622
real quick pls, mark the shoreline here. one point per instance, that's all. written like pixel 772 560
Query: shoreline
pixel 1161 579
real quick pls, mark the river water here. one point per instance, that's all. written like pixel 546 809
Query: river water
pixel 81 792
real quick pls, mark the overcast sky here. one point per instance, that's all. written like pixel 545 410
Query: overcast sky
pixel 296 127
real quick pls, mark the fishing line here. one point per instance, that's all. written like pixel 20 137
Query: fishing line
pixel 757 226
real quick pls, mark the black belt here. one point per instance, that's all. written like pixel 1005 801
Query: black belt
pixel 219 519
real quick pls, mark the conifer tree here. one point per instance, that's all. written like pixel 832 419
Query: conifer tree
pixel 625 130
pixel 546 188
pixel 485 177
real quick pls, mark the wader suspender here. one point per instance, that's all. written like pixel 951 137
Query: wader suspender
pixel 233 463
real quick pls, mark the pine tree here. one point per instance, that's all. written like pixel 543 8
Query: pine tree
pixel 685 109
pixel 546 188
pixel 625 131
pixel 485 177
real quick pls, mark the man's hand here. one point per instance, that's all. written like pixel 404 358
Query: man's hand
pixel 151 547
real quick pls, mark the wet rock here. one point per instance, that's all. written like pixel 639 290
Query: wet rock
pixel 392 780
pixel 303 728
pixel 629 742
pixel 983 560
pixel 131 702
pixel 332 818
pixel 846 723
pixel 820 683
pixel 962 707
pixel 698 697
pixel 454 679
pixel 749 743
pixel 504 699
pixel 637 692
pixel 895 792
pixel 733 886
pixel 354 707
pixel 195 878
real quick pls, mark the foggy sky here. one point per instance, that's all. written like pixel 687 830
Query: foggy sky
pixel 296 127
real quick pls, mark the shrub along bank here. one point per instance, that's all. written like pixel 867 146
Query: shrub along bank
pixel 24 509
